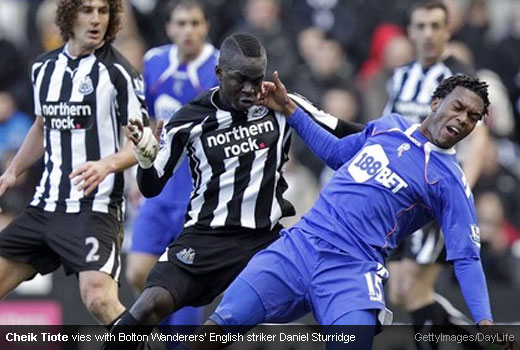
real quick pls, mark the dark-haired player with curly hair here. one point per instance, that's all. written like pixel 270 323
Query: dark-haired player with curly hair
pixel 236 151
pixel 84 94
pixel 392 178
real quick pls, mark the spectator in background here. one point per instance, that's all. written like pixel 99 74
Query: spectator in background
pixel 326 68
pixel 262 19
pixel 14 125
pixel 506 62
pixel 343 104
pixel 336 18
pixel 497 235
pixel 390 49
pixel 501 180
pixel 501 119
pixel 14 75
pixel 475 32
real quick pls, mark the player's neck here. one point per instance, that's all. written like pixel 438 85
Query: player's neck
pixel 185 57
pixel 430 61
pixel 74 49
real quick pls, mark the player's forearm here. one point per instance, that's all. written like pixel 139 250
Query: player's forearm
pixel 473 285
pixel 149 182
pixel 340 128
pixel 30 151
pixel 321 142
pixel 121 160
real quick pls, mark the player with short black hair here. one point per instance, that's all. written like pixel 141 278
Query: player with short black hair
pixel 236 152
pixel 174 74
pixel 84 93
pixel 391 178
pixel 415 265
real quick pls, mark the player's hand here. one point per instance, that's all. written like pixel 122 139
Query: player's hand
pixel 274 95
pixel 146 143
pixel 88 176
pixel 488 328
pixel 7 180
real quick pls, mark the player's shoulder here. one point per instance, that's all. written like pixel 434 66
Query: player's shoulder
pixel 208 57
pixel 404 68
pixel 111 57
pixel 197 109
pixel 444 169
pixel 51 55
pixel 158 53
pixel 392 121
pixel 457 66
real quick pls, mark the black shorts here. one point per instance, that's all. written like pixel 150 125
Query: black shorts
pixel 82 241
pixel 425 246
pixel 202 262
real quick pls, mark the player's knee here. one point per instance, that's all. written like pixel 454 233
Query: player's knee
pixel 136 278
pixel 98 300
pixel 240 305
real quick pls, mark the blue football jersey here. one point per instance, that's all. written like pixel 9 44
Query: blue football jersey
pixel 390 182
pixel 169 85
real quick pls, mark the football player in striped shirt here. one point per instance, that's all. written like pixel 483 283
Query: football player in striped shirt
pixel 84 94
pixel 174 74
pixel 236 150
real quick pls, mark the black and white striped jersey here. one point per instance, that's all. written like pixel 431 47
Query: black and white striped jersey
pixel 84 101
pixel 236 161
pixel 411 87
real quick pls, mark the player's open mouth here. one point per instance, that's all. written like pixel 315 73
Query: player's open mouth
pixel 453 130
pixel 93 33
pixel 247 101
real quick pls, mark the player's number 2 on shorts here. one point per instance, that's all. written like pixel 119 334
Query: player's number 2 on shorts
pixel 93 252
pixel 375 286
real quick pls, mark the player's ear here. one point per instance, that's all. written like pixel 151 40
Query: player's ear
pixel 434 105
pixel 219 72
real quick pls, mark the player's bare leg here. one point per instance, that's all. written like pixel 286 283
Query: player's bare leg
pixel 138 267
pixel 99 293
pixel 12 273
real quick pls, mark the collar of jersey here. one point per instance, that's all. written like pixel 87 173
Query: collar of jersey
pixel 414 133
pixel 72 57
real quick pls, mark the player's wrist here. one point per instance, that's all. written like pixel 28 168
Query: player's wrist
pixel 146 149
pixel 289 108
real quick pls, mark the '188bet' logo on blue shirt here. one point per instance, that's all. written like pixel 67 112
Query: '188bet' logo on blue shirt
pixel 372 163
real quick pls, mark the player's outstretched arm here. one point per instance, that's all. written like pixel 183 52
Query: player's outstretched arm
pixel 89 175
pixel 31 150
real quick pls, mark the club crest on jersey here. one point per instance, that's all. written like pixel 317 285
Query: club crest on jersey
pixel 403 148
pixel 258 111
pixel 187 256
pixel 85 86
pixel 475 235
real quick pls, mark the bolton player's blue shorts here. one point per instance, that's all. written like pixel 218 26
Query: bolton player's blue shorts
pixel 299 273
pixel 156 225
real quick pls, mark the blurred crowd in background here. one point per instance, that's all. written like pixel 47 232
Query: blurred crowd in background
pixel 337 53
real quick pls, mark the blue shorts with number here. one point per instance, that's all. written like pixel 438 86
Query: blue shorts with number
pixel 299 273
